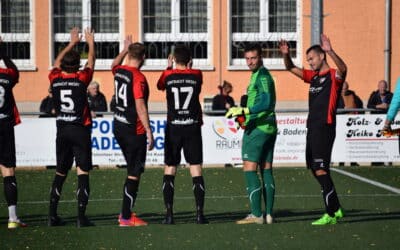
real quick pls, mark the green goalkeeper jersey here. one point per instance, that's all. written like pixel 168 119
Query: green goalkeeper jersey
pixel 261 102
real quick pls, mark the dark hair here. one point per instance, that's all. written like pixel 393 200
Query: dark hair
pixel 316 48
pixel 136 50
pixel 253 47
pixel 182 54
pixel 70 63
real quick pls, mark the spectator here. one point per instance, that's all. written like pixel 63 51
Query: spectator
pixel 97 100
pixel 349 100
pixel 112 104
pixel 47 106
pixel 380 99
pixel 223 101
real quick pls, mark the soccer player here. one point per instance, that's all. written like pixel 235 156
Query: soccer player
pixel 183 131
pixel 393 108
pixel 9 117
pixel 73 121
pixel 259 136
pixel 324 92
pixel 131 123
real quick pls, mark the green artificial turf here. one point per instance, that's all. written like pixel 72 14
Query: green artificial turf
pixel 372 214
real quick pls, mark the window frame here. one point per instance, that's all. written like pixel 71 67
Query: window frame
pixel 161 64
pixel 264 35
pixel 24 64
pixel 101 64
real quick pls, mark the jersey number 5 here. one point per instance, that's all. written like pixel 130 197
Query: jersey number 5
pixel 66 101
pixel 176 91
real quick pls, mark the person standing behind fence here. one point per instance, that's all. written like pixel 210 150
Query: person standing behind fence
pixel 380 99
pixel 259 136
pixel 9 117
pixel 96 99
pixel 131 123
pixel 223 101
pixel 73 120
pixel 183 131
pixel 324 91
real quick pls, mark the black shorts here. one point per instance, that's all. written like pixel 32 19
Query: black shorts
pixel 73 140
pixel 133 147
pixel 319 146
pixel 7 145
pixel 187 137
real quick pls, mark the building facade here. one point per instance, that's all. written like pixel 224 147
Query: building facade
pixel 33 32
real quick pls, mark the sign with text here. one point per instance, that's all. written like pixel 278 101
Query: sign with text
pixel 358 139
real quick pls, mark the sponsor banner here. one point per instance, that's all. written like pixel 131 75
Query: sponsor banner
pixel 35 142
pixel 359 139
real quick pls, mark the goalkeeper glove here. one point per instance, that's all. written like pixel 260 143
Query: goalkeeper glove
pixel 236 111
pixel 241 121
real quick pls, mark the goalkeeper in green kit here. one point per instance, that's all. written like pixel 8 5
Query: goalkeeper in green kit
pixel 259 136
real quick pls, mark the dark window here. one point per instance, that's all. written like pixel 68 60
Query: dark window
pixel 157 16
pixel 67 14
pixel 105 16
pixel 282 16
pixel 269 49
pixel 15 16
pixel 245 16
pixel 161 50
pixel 193 16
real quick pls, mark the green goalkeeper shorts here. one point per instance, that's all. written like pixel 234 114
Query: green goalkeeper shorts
pixel 257 146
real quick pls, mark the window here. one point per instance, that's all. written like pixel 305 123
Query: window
pixel 264 21
pixel 16 32
pixel 166 23
pixel 101 15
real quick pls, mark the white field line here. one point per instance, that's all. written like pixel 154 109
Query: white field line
pixel 216 198
pixel 374 183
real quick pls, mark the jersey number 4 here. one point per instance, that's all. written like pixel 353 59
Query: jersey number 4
pixel 2 96
pixel 120 93
pixel 176 91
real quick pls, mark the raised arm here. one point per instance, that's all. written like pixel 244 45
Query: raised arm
pixel 122 54
pixel 7 61
pixel 327 47
pixel 89 37
pixel 75 38
pixel 285 50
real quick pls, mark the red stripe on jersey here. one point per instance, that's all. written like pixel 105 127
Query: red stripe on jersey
pixel 333 99
pixel 17 118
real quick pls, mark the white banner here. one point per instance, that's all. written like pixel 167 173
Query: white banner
pixel 358 139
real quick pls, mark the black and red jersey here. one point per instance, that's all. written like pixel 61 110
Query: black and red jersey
pixel 8 109
pixel 323 96
pixel 130 84
pixel 183 88
pixel 70 96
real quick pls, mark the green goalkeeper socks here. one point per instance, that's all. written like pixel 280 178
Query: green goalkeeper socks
pixel 269 186
pixel 254 192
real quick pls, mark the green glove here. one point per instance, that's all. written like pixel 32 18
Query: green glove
pixel 236 111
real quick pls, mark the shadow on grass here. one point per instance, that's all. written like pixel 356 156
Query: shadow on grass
pixel 188 217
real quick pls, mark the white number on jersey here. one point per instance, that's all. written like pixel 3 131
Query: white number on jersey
pixel 2 94
pixel 66 101
pixel 176 91
pixel 120 93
